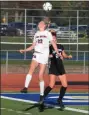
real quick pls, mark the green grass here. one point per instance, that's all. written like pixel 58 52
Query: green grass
pixel 81 40
pixel 68 47
pixel 22 39
pixel 24 108
pixel 35 91
pixel 26 62
pixel 79 63
pixel 29 40
pixel 14 39
pixel 80 107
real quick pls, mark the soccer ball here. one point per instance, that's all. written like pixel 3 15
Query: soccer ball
pixel 47 6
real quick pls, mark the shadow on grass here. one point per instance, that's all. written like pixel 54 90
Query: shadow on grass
pixel 45 107
pixel 33 106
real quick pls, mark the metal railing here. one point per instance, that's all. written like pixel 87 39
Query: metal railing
pixel 11 59
pixel 73 17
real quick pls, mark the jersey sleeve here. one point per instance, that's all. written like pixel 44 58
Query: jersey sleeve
pixel 50 36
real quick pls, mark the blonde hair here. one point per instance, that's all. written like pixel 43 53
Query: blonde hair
pixel 52 31
pixel 47 20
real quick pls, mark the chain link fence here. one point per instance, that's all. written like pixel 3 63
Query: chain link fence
pixel 70 25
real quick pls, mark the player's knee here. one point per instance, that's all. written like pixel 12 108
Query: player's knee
pixel 41 75
pixel 41 78
pixel 30 73
pixel 64 85
pixel 51 85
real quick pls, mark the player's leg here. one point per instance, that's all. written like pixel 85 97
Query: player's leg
pixel 33 65
pixel 52 77
pixel 62 89
pixel 41 78
pixel 41 84
pixel 51 84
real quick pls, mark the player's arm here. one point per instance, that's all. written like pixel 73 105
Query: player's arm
pixel 29 48
pixel 65 55
pixel 54 44
pixel 55 48
pixel 50 56
pixel 50 52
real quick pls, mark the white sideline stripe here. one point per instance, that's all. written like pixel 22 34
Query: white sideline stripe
pixel 70 97
pixel 70 109
pixel 31 43
pixel 33 102
pixel 76 101
pixel 49 105
pixel 77 110
pixel 14 99
pixel 15 111
pixel 38 93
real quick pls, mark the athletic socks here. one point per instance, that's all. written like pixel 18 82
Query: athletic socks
pixel 47 90
pixel 62 92
pixel 27 81
pixel 41 88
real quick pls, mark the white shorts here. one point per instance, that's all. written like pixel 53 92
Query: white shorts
pixel 41 58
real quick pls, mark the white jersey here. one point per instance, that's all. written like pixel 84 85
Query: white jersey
pixel 42 40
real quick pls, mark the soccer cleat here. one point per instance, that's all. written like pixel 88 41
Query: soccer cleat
pixel 41 107
pixel 41 104
pixel 60 103
pixel 41 99
pixel 24 90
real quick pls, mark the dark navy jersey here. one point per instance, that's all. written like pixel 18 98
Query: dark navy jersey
pixel 53 52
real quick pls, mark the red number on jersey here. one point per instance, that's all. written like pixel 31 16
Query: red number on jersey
pixel 40 40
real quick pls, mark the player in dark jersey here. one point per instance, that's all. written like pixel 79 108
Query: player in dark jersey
pixel 56 68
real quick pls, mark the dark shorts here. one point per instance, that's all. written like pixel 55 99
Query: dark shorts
pixel 56 67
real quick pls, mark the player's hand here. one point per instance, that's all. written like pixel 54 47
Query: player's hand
pixel 50 56
pixel 60 55
pixel 70 56
pixel 21 51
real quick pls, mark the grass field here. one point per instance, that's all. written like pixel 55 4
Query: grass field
pixel 21 39
pixel 13 107
pixel 68 47
pixel 29 40
pixel 26 62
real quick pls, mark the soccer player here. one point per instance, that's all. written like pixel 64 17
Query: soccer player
pixel 40 56
pixel 56 68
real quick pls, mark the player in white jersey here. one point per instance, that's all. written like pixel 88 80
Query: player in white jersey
pixel 40 57
pixel 42 39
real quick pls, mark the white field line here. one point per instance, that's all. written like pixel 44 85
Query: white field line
pixel 69 109
pixel 70 97
pixel 31 43
pixel 77 110
pixel 38 93
pixel 48 105
pixel 14 99
pixel 33 102
pixel 19 112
